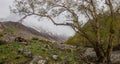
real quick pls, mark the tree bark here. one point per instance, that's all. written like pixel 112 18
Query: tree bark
pixel 100 54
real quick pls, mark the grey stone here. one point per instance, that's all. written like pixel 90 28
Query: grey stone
pixel 20 50
pixel 55 57
pixel 90 52
pixel 23 43
pixel 27 53
pixel 37 59
pixel 115 57
pixel 42 62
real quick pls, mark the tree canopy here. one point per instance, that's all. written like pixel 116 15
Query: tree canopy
pixel 91 9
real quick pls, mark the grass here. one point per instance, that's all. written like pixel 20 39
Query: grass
pixel 9 52
pixel 47 49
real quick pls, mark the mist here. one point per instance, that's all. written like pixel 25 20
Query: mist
pixel 33 21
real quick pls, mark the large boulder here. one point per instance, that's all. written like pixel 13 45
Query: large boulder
pixel 91 55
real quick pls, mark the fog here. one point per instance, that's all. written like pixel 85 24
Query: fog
pixel 33 21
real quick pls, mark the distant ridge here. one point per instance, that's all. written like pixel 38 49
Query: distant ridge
pixel 14 29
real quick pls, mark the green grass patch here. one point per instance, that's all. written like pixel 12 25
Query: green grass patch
pixel 9 52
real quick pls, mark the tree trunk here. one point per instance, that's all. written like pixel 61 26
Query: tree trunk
pixel 100 54
pixel 109 49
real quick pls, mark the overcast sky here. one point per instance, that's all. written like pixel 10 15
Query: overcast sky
pixel 4 8
pixel 44 23
pixel 31 21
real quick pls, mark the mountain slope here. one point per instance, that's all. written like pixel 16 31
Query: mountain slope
pixel 10 30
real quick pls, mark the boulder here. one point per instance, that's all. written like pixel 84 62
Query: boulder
pixel 90 52
pixel 115 57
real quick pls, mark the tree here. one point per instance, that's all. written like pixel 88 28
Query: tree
pixel 53 8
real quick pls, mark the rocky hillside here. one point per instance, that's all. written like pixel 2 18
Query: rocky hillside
pixel 37 52
pixel 46 52
pixel 10 30
pixel 36 49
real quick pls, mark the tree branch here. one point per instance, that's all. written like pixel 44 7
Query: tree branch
pixel 65 24
pixel 24 17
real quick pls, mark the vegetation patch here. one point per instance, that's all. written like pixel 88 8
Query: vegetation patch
pixel 49 51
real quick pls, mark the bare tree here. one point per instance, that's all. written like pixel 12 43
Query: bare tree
pixel 53 8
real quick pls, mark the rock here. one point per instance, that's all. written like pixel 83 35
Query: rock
pixel 20 50
pixel 27 53
pixel 55 57
pixel 115 57
pixel 90 52
pixel 37 59
pixel 8 38
pixel 47 46
pixel 42 62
